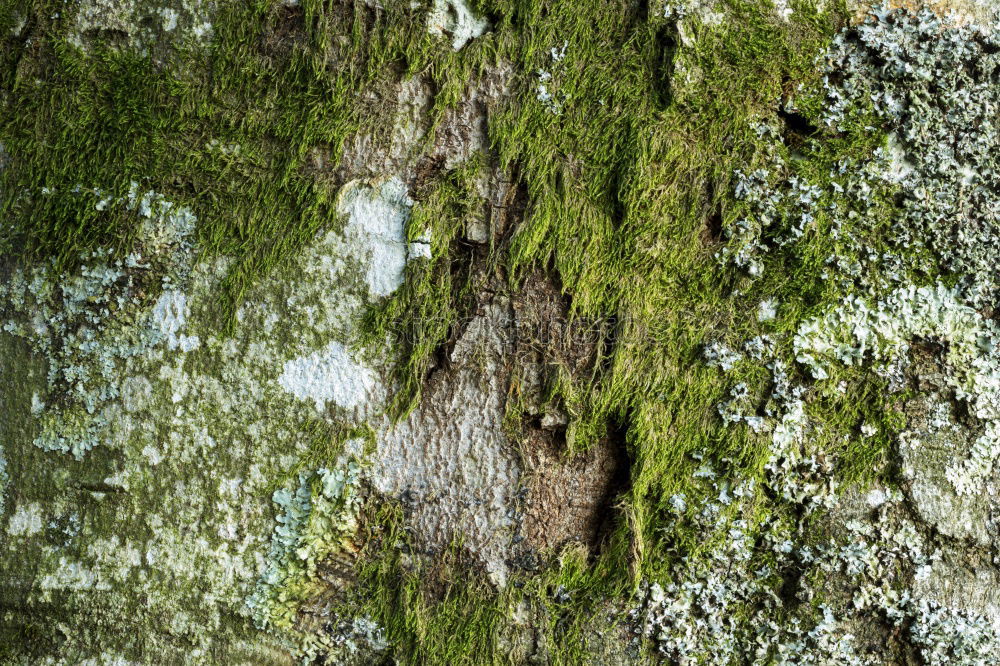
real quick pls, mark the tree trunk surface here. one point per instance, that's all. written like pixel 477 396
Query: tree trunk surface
pixel 499 331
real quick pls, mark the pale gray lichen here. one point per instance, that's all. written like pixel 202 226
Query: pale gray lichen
pixel 547 91
pixel 696 616
pixel 89 324
pixel 377 219
pixel 930 83
pixel 331 374
pixel 767 310
pixel 454 18
pixel 145 25
pixel 780 206
pixel 552 104
pixel 169 316
pixel 705 11
pixel 948 636
pixel 419 247
pixel 722 606
pixel 26 520
pixel 358 635
pixel 782 9
pixel 938 160
pixel 716 354
pixel 191 420
pixel 856 333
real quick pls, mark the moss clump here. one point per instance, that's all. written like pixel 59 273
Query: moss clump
pixel 231 127
pixel 435 609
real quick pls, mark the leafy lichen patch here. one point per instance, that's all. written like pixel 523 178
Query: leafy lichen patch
pixel 856 333
pixel 891 557
pixel 204 419
pixel 943 126
pixel 169 316
pixel 959 11
pixel 873 577
pixel 318 518
pixel 932 444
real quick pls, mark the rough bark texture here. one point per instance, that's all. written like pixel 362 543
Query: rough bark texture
pixel 499 332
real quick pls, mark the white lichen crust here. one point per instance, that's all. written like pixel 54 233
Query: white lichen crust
pixel 145 25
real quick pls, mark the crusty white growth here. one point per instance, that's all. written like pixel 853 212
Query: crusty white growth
pixel 199 442
pixel 708 607
pixel 72 575
pixel 454 18
pixel 143 23
pixel 169 16
pixel 351 634
pixel 169 316
pixel 153 454
pixel 462 476
pixel 26 521
pixel 177 429
pixel 330 374
pixel 420 248
pixel 714 606
pixel 684 13
pixel 377 227
pixel 767 310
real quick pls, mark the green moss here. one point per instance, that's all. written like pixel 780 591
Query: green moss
pixel 624 184
pixel 435 609
pixel 267 84
pixel 453 624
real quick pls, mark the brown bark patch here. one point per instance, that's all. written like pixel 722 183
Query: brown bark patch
pixel 569 498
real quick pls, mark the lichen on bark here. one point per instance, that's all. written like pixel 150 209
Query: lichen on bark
pixel 500 331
